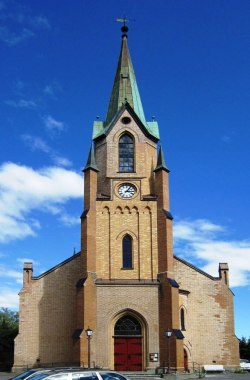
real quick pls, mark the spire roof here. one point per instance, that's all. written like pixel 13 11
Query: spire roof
pixel 161 164
pixel 125 88
pixel 91 163
pixel 125 95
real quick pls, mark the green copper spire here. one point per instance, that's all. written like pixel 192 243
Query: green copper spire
pixel 125 94
pixel 125 87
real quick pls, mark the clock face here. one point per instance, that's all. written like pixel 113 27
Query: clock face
pixel 127 190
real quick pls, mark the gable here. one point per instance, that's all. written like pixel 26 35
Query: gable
pixel 150 129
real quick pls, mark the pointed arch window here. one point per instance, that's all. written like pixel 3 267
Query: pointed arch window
pixel 126 154
pixel 182 317
pixel 127 254
pixel 127 325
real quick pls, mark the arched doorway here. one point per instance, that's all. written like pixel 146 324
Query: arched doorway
pixel 128 344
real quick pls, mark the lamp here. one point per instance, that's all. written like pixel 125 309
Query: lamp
pixel 168 334
pixel 89 333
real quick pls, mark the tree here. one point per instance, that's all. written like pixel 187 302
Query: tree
pixel 8 332
pixel 245 348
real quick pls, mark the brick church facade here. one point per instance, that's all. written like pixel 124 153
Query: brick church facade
pixel 125 283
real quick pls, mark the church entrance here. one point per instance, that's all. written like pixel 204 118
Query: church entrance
pixel 128 344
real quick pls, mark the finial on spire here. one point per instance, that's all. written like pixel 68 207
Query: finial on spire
pixel 124 28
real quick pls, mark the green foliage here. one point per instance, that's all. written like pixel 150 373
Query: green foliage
pixel 8 332
pixel 245 348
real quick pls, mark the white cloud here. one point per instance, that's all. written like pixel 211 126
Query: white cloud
pixel 9 297
pixel 22 103
pixel 22 23
pixel 24 190
pixel 36 143
pixel 12 227
pixel 5 272
pixel 22 260
pixel 12 38
pixel 207 243
pixel 52 89
pixel 69 220
pixel 53 125
pixel 61 161
pixel 39 22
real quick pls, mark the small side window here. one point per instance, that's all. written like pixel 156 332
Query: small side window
pixel 127 252
pixel 182 317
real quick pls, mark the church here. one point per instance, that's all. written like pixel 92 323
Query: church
pixel 143 307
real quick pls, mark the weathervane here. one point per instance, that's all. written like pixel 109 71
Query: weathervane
pixel 124 28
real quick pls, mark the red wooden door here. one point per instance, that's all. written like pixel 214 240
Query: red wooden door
pixel 128 354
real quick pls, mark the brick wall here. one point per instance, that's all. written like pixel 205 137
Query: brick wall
pixel 112 303
pixel 209 317
pixel 47 317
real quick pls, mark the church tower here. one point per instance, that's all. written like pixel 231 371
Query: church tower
pixel 128 295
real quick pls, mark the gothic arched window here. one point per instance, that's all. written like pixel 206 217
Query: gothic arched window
pixel 182 319
pixel 126 154
pixel 127 254
pixel 127 325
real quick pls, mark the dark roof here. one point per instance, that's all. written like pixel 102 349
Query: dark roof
pixel 91 163
pixel 168 214
pixel 81 282
pixel 77 333
pixel 173 283
pixel 161 164
pixel 84 213
pixel 178 334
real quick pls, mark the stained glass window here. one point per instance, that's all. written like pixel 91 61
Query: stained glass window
pixel 127 325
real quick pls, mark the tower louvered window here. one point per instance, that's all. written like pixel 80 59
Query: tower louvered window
pixel 126 154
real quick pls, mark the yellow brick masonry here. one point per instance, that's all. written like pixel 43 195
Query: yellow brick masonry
pixel 112 303
pixel 47 317
pixel 209 318
pixel 107 158
pixel 114 220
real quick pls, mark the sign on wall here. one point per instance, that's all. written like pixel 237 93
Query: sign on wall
pixel 153 357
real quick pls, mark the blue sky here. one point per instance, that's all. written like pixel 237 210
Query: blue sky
pixel 57 66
